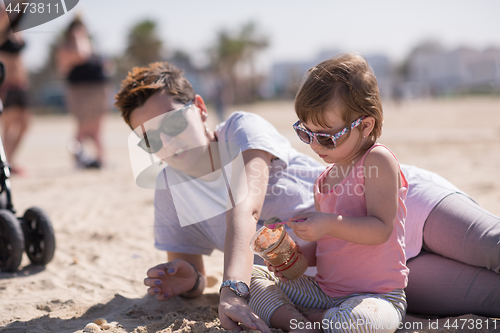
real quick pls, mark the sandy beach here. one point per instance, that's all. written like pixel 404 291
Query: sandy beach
pixel 103 221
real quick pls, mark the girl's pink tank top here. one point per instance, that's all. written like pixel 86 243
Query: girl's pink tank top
pixel 346 268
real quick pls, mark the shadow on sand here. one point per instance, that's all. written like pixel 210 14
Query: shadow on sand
pixel 25 271
pixel 144 314
pixel 199 315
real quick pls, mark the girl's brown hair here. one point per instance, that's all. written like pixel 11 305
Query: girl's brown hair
pixel 346 78
pixel 143 82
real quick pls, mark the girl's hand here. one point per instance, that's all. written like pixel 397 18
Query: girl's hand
pixel 273 269
pixel 170 279
pixel 313 228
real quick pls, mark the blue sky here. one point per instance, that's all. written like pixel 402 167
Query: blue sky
pixel 297 30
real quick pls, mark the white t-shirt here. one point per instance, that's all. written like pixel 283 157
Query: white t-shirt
pixel 426 190
pixel 190 213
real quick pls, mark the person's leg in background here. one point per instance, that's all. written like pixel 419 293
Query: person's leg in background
pixel 93 121
pixel 15 121
pixel 90 130
pixel 88 103
pixel 94 133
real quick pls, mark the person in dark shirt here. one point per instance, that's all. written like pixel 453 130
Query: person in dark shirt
pixel 86 93
pixel 14 90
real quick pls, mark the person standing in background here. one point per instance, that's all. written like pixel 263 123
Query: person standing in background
pixel 86 93
pixel 14 90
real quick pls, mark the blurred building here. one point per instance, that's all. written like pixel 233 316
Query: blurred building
pixel 383 69
pixel 285 77
pixel 463 70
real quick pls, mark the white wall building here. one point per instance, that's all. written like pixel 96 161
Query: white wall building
pixel 285 77
pixel 461 70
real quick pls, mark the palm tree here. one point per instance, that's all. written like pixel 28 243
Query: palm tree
pixel 234 49
pixel 144 45
pixel 254 43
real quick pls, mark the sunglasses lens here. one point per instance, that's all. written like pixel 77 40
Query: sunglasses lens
pixel 303 135
pixel 175 124
pixel 326 142
pixel 150 144
pixel 172 126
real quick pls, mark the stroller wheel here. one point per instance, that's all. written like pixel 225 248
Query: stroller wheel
pixel 11 241
pixel 39 239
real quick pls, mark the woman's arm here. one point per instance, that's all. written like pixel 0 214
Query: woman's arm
pixel 67 59
pixel 382 182
pixel 72 54
pixel 4 24
pixel 241 226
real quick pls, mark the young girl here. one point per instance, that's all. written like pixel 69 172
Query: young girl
pixel 356 237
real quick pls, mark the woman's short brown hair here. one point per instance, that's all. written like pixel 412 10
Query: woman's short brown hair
pixel 348 79
pixel 143 82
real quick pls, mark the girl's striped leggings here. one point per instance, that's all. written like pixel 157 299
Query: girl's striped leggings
pixel 354 313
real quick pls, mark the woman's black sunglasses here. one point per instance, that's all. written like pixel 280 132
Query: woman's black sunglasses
pixel 173 124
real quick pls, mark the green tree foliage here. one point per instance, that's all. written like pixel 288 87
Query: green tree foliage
pixel 144 45
pixel 234 49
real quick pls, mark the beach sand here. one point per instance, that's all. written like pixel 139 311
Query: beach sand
pixel 104 223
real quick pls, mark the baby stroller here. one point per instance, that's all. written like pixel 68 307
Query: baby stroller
pixel 33 232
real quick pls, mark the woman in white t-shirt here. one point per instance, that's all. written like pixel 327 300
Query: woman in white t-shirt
pixel 214 186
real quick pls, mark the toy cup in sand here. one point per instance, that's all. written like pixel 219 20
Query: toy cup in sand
pixel 278 248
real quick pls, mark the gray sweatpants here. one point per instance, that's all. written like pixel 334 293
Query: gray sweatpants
pixel 458 271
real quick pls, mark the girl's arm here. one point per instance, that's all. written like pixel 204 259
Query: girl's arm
pixel 382 182
pixel 309 251
pixel 241 226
